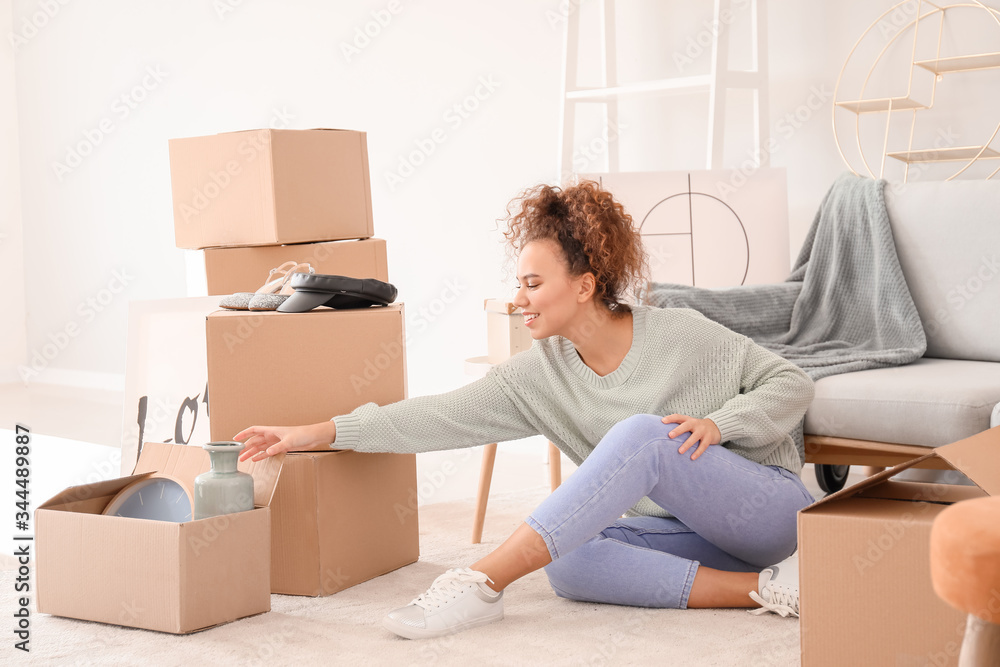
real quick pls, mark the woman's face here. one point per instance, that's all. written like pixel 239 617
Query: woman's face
pixel 548 296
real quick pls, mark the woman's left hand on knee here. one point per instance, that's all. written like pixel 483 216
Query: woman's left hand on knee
pixel 703 431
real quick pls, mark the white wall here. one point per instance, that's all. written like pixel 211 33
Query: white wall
pixel 276 63
pixel 12 324
pixel 669 39
pixel 281 63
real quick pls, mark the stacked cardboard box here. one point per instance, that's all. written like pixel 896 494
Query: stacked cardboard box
pixel 253 200
pixel 322 521
pixel 256 199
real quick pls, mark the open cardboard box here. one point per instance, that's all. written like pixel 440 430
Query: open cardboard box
pixel 268 187
pixel 866 596
pixel 157 575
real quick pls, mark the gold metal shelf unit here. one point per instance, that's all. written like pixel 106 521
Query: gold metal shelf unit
pixel 961 63
pixel 939 67
pixel 882 104
pixel 946 154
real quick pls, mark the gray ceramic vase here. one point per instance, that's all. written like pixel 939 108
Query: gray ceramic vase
pixel 223 489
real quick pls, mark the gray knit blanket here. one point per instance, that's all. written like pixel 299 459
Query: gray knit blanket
pixel 845 307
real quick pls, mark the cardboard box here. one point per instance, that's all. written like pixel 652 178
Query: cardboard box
pixel 341 518
pixel 157 575
pixel 287 369
pixel 231 270
pixel 505 330
pixel 268 187
pixel 864 572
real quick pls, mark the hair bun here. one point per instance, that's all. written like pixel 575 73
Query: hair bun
pixel 558 208
pixel 593 231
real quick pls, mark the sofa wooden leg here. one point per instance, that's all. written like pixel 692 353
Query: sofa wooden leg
pixel 483 496
pixel 555 467
pixel 868 471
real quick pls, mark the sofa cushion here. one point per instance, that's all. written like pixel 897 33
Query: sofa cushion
pixel 930 402
pixel 948 241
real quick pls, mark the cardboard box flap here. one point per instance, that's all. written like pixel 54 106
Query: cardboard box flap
pixel 219 134
pixel 185 462
pixel 978 457
pixel 74 494
pixel 265 477
pixel 336 129
pixel 869 482
pixel 271 129
pixel 249 129
pixel 498 306
pixel 921 492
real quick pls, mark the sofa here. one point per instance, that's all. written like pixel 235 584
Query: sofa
pixel 947 236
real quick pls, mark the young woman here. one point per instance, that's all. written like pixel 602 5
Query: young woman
pixel 674 420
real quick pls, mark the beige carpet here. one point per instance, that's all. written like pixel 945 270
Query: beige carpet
pixel 345 628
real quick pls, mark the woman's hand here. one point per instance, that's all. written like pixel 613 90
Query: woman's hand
pixel 264 441
pixel 703 431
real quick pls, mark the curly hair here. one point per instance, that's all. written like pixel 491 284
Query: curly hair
pixel 594 232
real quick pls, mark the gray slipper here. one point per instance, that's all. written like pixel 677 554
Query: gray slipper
pixel 238 301
pixel 270 296
pixel 266 301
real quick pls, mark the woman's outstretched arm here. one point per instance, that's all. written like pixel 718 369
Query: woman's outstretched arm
pixel 476 414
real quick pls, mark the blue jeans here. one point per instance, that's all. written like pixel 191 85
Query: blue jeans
pixel 731 514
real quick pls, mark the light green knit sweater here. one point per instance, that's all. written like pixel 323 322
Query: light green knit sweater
pixel 680 362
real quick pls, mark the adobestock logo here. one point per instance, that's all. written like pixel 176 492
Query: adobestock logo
pixel 244 330
pixel 455 116
pixel 87 310
pixel 585 155
pixel 416 323
pixel 795 119
pixel 711 30
pixel 433 482
pixel 220 179
pixel 899 18
pixel 224 7
pixel 965 291
pixel 121 108
pixel 31 25
pixel 559 16
pixel 335 580
pixel 962 293
pixel 272 646
pixel 374 367
pixel 944 137
pixel 363 35
pixel 786 126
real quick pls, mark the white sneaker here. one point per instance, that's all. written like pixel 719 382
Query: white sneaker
pixel 778 588
pixel 457 600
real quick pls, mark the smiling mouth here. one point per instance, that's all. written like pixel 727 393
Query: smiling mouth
pixel 530 317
